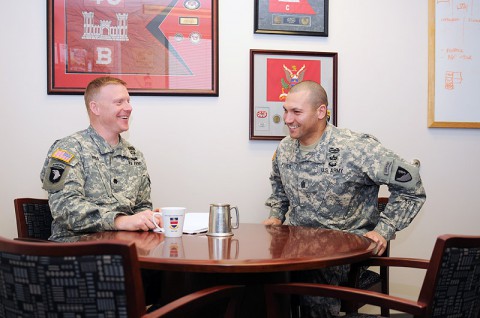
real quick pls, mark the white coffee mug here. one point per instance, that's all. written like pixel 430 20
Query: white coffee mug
pixel 173 218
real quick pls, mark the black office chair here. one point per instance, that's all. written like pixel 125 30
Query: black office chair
pixel 34 219
pixel 451 287
pixel 90 279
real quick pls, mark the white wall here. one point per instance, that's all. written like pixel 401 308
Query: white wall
pixel 197 148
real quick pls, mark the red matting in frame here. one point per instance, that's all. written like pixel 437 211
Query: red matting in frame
pixel 290 7
pixel 157 47
pixel 283 74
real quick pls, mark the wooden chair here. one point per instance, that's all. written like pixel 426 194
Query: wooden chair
pixel 34 219
pixel 363 279
pixel 369 279
pixel 451 287
pixel 96 279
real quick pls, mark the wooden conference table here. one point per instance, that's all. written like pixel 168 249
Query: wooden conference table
pixel 256 254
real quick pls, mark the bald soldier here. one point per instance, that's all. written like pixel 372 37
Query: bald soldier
pixel 329 177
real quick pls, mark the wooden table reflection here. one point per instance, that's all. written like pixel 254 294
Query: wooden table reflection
pixel 252 248
pixel 255 255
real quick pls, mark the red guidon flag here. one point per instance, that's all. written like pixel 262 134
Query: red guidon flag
pixel 290 6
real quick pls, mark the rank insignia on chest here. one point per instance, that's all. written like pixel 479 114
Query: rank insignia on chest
pixel 62 155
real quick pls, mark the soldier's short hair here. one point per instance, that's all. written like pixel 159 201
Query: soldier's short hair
pixel 318 95
pixel 95 85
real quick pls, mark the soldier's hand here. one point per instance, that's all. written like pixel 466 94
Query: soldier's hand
pixel 272 221
pixel 380 240
pixel 141 221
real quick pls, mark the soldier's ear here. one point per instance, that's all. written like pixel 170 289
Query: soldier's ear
pixel 322 111
pixel 94 107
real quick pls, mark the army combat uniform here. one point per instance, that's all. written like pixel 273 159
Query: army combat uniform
pixel 89 183
pixel 336 186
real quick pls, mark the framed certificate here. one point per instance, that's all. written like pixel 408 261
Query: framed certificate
pixel 291 17
pixel 273 73
pixel 157 47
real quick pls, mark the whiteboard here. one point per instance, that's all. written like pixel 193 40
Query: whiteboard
pixel 454 64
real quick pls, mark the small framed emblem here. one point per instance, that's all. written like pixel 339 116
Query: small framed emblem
pixel 291 17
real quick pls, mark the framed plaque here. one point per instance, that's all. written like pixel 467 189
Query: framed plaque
pixel 157 47
pixel 291 17
pixel 273 73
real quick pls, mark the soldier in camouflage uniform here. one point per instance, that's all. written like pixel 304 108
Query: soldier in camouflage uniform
pixel 329 177
pixel 96 180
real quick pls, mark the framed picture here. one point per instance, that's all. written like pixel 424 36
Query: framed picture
pixel 291 17
pixel 273 73
pixel 157 48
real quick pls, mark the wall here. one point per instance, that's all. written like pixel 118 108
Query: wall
pixel 197 148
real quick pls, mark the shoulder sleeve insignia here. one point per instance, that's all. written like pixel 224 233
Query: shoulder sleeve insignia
pixel 274 155
pixel 399 173
pixel 402 175
pixel 62 155
pixel 55 176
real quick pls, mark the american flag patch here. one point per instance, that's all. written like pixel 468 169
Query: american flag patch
pixel 62 155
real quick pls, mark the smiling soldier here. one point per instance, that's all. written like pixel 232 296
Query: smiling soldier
pixel 329 177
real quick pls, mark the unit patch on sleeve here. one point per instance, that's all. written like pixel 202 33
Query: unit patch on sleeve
pixel 398 173
pixel 402 175
pixel 55 176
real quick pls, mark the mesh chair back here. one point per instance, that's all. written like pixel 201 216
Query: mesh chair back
pixel 456 261
pixel 34 219
pixel 87 279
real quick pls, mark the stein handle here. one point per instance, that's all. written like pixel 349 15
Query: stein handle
pixel 237 217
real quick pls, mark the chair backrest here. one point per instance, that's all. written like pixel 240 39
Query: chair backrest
pixel 452 281
pixel 34 219
pixel 382 203
pixel 94 279
pixel 384 271
pixel 218 301
pixel 371 280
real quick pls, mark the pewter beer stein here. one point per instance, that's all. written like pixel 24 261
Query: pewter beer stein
pixel 220 220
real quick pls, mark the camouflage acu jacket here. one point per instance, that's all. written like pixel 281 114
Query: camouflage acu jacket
pixel 336 185
pixel 89 183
